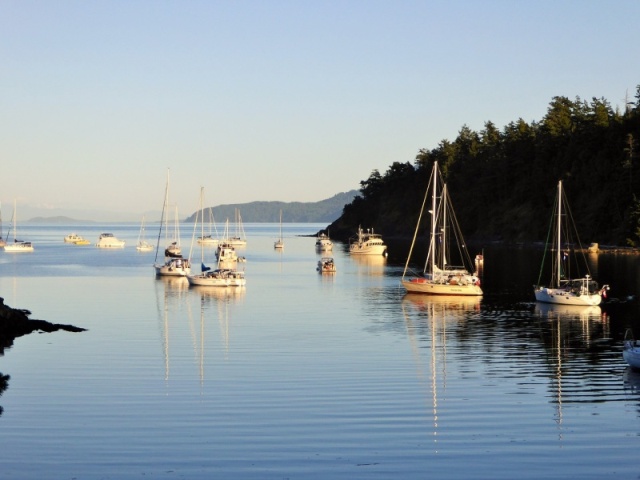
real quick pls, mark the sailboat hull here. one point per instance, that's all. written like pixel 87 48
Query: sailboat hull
pixel 18 247
pixel 422 285
pixel 561 296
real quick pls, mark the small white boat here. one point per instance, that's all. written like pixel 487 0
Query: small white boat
pixel 108 240
pixel 367 243
pixel 143 245
pixel 278 244
pixel 326 265
pixel 562 289
pixel 631 350
pixel 323 243
pixel 240 238
pixel 173 267
pixel 207 240
pixel 18 246
pixel 75 238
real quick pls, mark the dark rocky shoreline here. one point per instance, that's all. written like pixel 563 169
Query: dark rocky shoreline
pixel 16 323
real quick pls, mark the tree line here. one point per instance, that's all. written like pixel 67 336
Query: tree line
pixel 503 182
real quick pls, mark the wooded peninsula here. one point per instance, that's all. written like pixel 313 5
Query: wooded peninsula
pixel 503 182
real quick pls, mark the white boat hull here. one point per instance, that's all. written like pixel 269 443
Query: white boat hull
pixel 562 297
pixel 368 249
pixel 173 269
pixel 218 278
pixel 631 354
pixel 422 285
pixel 18 247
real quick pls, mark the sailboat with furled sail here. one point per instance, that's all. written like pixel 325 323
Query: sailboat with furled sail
pixel 17 246
pixel 174 265
pixel 439 277
pixel 567 255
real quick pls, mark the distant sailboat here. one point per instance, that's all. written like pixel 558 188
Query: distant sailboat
pixel 17 246
pixel 143 245
pixel 279 243
pixel 174 265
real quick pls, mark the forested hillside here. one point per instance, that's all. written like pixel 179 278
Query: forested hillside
pixel 503 182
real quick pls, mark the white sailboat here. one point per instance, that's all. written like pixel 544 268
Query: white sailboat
pixel 208 239
pixel 563 289
pixel 219 277
pixel 438 276
pixel 240 238
pixel 17 246
pixel 174 265
pixel 143 245
pixel 280 242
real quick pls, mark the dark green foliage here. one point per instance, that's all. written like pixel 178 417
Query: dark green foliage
pixel 502 183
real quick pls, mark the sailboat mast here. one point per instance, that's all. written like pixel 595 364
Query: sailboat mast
pixel 433 217
pixel 558 227
pixel 444 226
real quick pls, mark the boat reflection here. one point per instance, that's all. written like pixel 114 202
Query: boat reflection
pixel 373 265
pixel 429 318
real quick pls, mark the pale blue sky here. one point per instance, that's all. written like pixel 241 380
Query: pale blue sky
pixel 277 100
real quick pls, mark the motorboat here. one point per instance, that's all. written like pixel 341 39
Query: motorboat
pixel 326 265
pixel 567 256
pixel 323 242
pixel 108 240
pixel 76 239
pixel 367 243
pixel 440 276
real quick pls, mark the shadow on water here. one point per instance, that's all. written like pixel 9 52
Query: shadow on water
pixel 15 323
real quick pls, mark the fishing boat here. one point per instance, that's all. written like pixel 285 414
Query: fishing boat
pixel 326 265
pixel 631 350
pixel 17 246
pixel 143 245
pixel 108 240
pixel 174 264
pixel 323 242
pixel 367 243
pixel 567 259
pixel 278 244
pixel 439 275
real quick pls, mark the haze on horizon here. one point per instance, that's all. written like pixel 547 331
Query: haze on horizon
pixel 276 101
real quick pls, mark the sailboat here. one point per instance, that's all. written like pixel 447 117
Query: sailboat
pixel 563 289
pixel 18 245
pixel 438 276
pixel 143 245
pixel 208 239
pixel 220 277
pixel 174 265
pixel 240 239
pixel 279 243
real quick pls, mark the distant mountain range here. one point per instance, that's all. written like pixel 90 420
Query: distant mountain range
pixel 324 211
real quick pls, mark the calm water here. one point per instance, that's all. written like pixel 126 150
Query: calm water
pixel 301 376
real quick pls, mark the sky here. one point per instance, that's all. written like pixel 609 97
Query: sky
pixel 275 100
